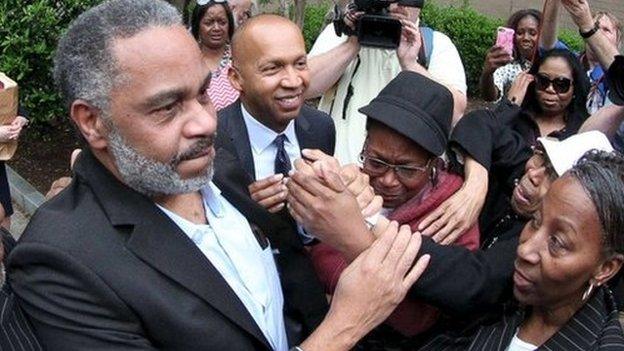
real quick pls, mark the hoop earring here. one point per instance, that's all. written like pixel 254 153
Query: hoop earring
pixel 433 175
pixel 588 292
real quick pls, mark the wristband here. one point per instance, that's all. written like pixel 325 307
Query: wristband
pixel 591 32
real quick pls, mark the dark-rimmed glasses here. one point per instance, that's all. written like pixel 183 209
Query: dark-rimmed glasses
pixel 561 85
pixel 376 167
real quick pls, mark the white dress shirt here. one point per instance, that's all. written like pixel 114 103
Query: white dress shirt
pixel 263 150
pixel 231 247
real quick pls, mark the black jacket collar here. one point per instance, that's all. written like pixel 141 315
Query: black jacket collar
pixel 160 243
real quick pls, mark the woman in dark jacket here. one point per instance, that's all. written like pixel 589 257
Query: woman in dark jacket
pixel 549 100
pixel 567 253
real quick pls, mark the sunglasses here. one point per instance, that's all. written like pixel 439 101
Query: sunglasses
pixel 560 85
pixel 204 2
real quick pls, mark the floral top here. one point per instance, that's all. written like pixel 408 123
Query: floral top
pixel 504 76
pixel 221 92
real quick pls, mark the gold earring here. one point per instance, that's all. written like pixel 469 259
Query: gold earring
pixel 588 292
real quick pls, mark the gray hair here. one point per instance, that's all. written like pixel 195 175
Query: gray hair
pixel 602 176
pixel 84 66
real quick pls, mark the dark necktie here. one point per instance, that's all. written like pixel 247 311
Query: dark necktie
pixel 282 161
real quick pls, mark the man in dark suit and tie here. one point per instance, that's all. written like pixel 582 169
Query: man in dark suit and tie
pixel 266 129
pixel 270 124
pixel 142 251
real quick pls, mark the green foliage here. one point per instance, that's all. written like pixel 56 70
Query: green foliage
pixel 572 39
pixel 314 21
pixel 29 31
pixel 471 32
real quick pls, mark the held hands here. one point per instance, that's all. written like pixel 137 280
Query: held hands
pixel 356 181
pixel 519 87
pixel 326 208
pixel 377 281
pixel 495 58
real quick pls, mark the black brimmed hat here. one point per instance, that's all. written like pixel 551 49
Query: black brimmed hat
pixel 416 107
pixel 616 81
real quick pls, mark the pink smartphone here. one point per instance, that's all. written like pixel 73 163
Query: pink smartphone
pixel 505 39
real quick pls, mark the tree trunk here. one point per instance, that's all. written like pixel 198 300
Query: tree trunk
pixel 186 16
pixel 284 8
pixel 300 12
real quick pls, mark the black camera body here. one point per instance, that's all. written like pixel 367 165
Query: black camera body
pixel 376 28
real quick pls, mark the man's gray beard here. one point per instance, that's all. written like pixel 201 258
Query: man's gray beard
pixel 153 178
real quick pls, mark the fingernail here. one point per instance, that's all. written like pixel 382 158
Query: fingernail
pixel 278 176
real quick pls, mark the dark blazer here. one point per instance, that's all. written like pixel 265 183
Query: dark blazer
pixel 519 119
pixel 16 333
pixel 100 267
pixel 314 129
pixel 595 327
pixel 305 304
pixel 304 296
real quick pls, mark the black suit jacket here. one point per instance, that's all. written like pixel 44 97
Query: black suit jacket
pixel 16 333
pixel 314 129
pixel 100 267
pixel 305 304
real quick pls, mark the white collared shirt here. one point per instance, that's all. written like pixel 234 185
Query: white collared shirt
pixel 231 247
pixel 263 150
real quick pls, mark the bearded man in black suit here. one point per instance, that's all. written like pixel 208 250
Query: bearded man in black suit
pixel 142 251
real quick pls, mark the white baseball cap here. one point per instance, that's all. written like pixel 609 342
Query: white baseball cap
pixel 565 153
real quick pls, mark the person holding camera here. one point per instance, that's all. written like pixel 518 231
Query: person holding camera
pixel 349 74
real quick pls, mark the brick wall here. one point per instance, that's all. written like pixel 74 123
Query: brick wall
pixel 503 8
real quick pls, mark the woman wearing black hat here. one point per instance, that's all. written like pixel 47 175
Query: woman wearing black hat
pixel 407 133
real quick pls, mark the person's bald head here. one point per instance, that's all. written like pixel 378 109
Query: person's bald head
pixel 262 30
pixel 270 70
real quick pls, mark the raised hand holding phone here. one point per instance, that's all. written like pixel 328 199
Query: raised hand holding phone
pixel 505 39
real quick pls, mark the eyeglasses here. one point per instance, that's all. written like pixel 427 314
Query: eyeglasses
pixel 204 2
pixel 376 167
pixel 560 85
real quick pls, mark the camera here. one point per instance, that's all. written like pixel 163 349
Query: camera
pixel 376 28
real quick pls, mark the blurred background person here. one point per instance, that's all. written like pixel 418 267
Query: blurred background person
pixel 500 69
pixel 242 10
pixel 549 100
pixel 212 25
